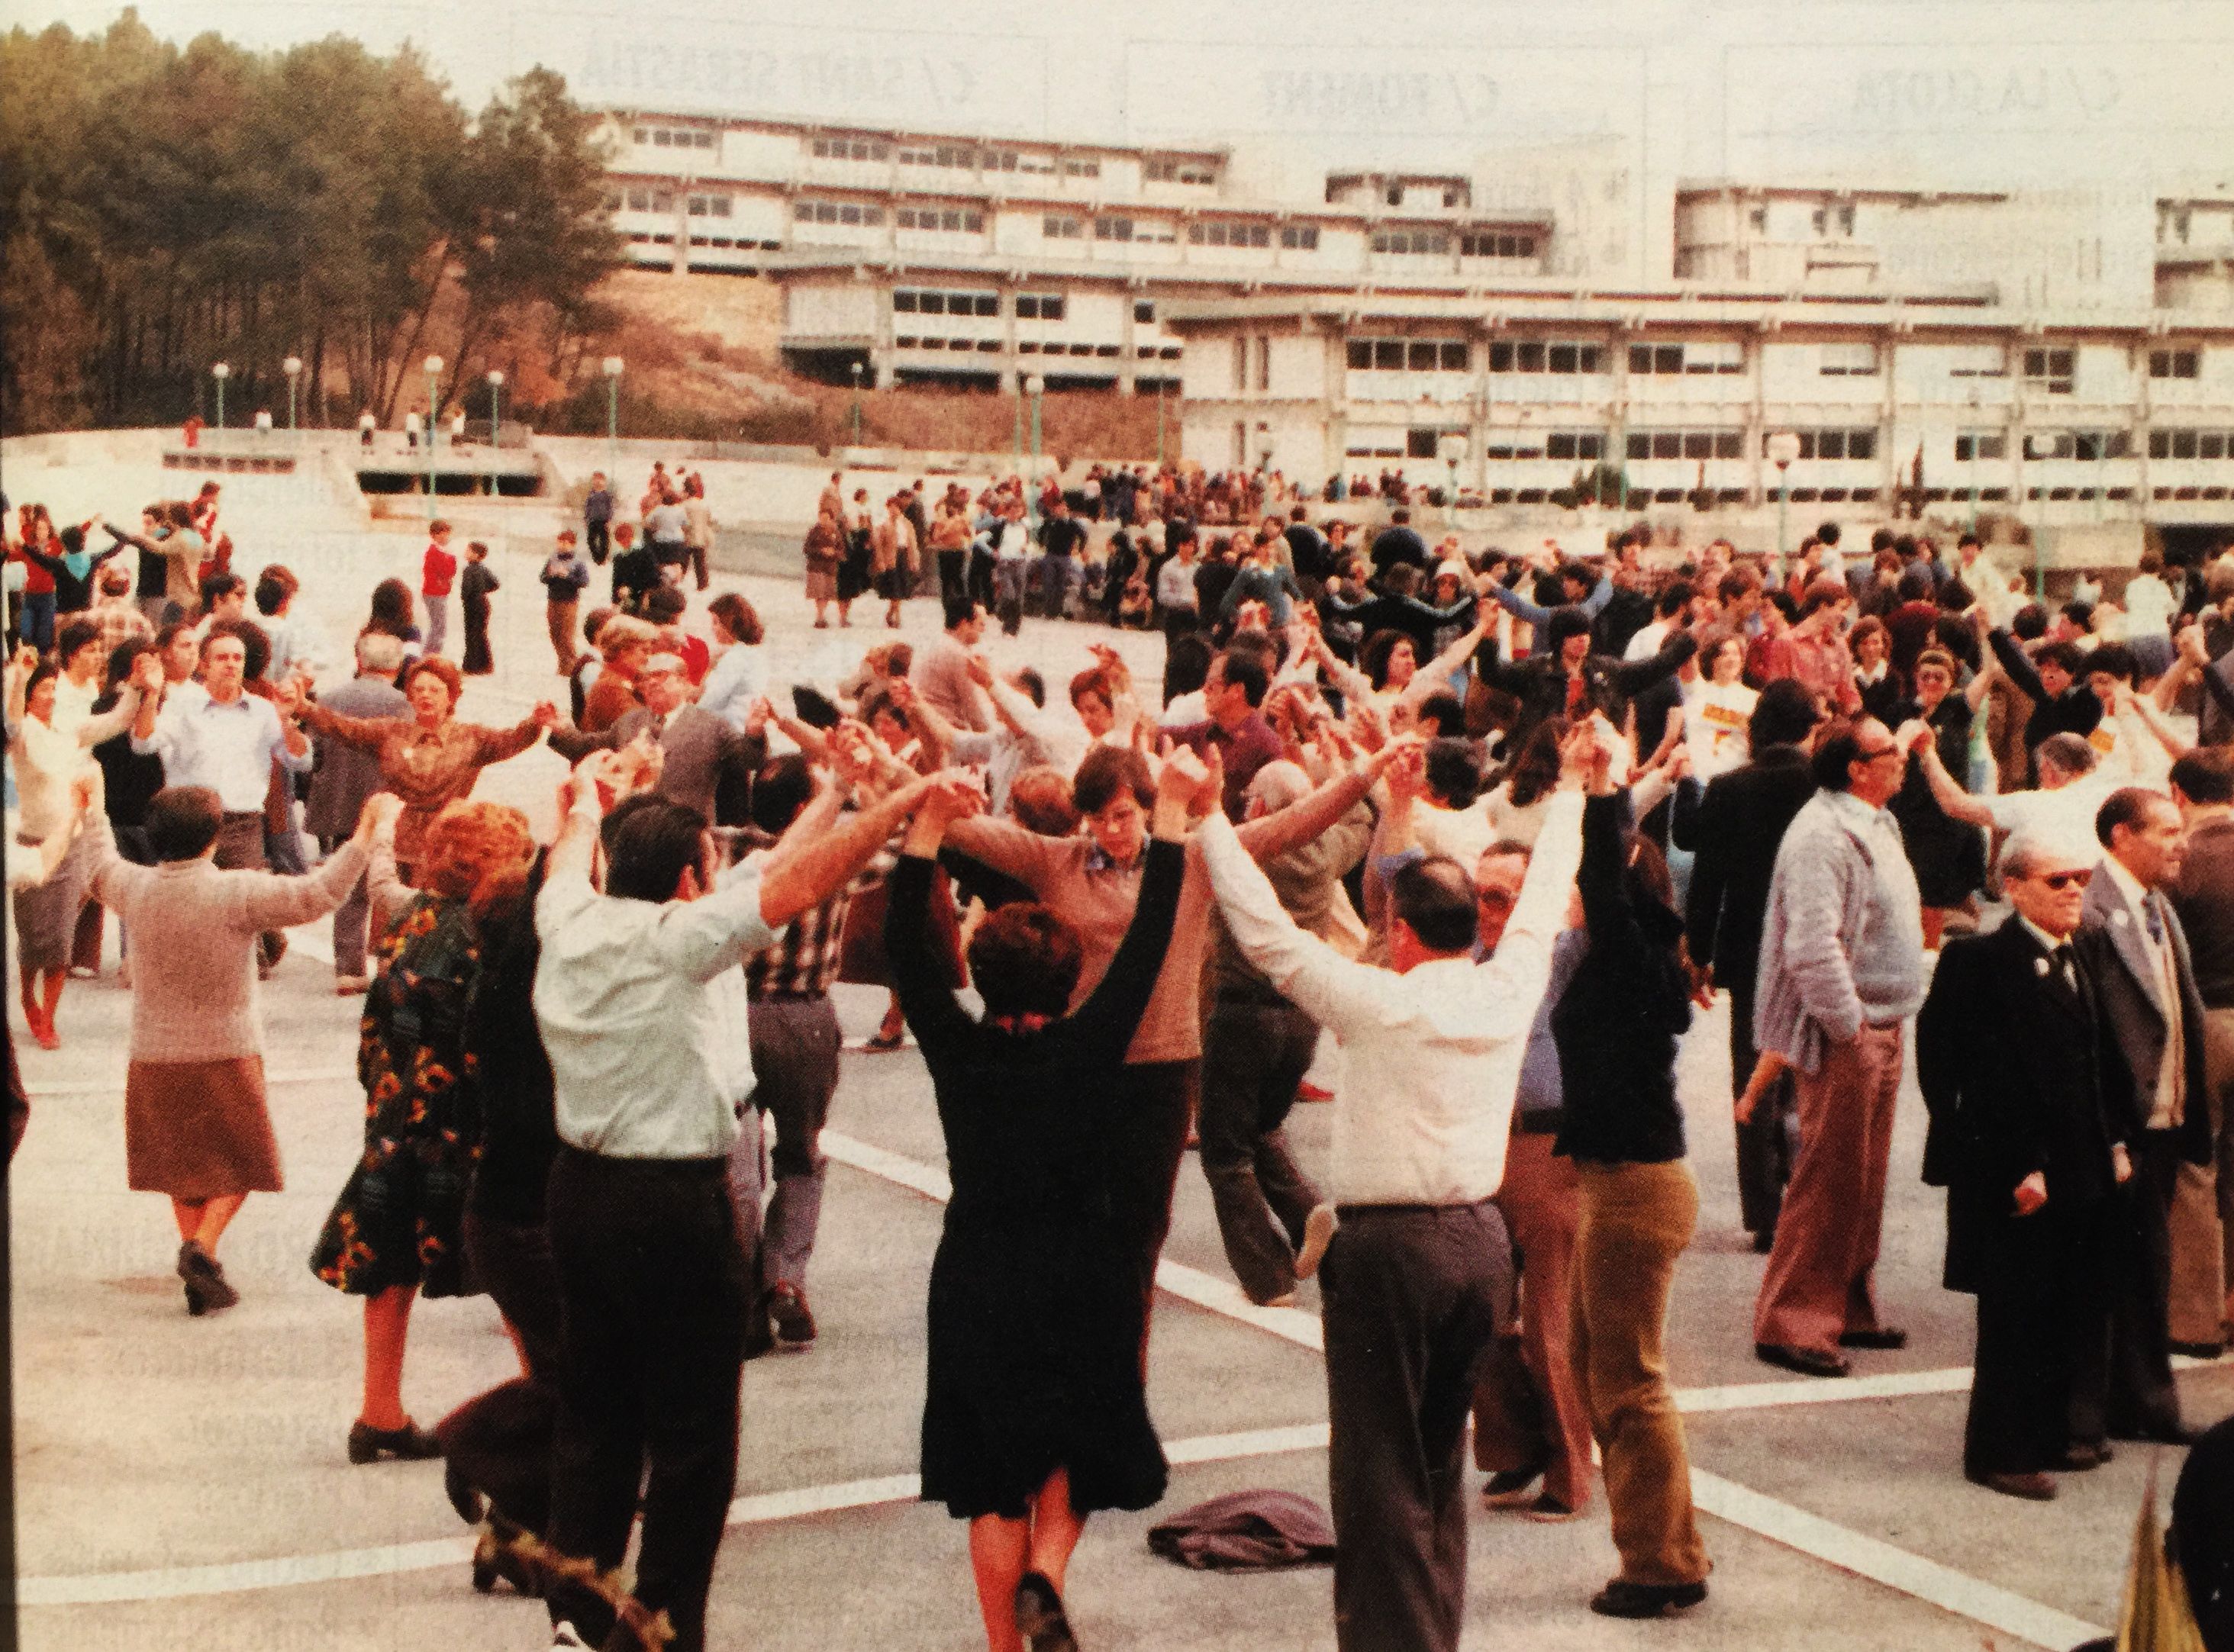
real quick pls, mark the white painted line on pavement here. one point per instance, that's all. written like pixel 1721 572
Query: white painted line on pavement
pixel 1881 1562
pixel 285 1572
pixel 1781 1522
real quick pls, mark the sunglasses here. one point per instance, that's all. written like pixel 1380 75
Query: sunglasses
pixel 2062 880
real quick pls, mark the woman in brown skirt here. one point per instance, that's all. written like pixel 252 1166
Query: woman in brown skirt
pixel 195 1123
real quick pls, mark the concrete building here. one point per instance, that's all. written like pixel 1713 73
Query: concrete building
pixel 2065 354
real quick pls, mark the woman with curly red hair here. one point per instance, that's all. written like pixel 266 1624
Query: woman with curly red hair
pixel 394 1232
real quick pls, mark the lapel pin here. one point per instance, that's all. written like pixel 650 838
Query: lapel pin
pixel 2040 967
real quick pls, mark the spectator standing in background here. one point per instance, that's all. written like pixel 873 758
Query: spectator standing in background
pixel 564 577
pixel 437 570
pixel 597 519
pixel 474 585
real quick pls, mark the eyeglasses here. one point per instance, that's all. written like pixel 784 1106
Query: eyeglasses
pixel 1494 896
pixel 1872 756
pixel 2062 880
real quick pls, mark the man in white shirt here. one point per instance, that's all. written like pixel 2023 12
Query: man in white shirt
pixel 643 1013
pixel 1420 1275
pixel 226 738
pixel 2072 788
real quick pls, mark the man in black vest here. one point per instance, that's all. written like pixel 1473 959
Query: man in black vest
pixel 2029 1105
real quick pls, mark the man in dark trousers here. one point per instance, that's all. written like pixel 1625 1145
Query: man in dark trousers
pixel 2154 1020
pixel 2203 786
pixel 597 519
pixel 2028 1106
pixel 1734 830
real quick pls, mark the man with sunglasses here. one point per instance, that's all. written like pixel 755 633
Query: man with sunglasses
pixel 2030 1117
pixel 1841 970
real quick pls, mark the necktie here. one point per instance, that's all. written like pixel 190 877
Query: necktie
pixel 2066 965
pixel 2153 918
pixel 658 727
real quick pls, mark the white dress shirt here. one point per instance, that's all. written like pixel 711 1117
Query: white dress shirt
pixel 1433 1054
pixel 227 745
pixel 643 1013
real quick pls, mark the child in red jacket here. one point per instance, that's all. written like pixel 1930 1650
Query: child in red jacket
pixel 435 573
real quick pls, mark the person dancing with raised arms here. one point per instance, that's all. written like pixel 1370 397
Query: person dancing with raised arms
pixel 1036 1411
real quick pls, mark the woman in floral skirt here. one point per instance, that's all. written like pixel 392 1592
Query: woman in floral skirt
pixel 394 1232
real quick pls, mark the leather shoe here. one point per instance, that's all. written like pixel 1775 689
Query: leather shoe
pixel 1509 1488
pixel 1885 1338
pixel 1039 1617
pixel 2083 1454
pixel 2200 1351
pixel 1808 1362
pixel 2034 1488
pixel 410 1443
pixel 1622 1598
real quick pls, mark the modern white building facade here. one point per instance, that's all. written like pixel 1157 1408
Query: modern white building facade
pixel 2060 352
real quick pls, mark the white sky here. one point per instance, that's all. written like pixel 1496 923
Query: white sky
pixel 1921 92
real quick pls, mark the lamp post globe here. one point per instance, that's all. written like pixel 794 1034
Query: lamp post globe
pixel 1782 447
pixel 496 404
pixel 292 367
pixel 221 371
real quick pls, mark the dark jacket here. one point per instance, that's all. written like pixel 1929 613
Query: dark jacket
pixel 2115 947
pixel 1541 684
pixel 345 775
pixel 2204 901
pixel 1625 1008
pixel 2017 1077
pixel 696 748
pixel 2075 711
pixel 1735 831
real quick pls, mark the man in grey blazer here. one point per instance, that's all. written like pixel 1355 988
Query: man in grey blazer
pixel 343 777
pixel 696 748
pixel 2152 1019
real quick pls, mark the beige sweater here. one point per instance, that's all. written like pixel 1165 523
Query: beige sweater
pixel 194 943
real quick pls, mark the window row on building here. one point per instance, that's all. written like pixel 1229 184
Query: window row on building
pixel 673 138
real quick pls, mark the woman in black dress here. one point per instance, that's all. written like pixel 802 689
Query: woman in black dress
pixel 1036 1413
pixel 1948 855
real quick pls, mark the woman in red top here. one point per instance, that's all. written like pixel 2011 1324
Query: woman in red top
pixel 38 622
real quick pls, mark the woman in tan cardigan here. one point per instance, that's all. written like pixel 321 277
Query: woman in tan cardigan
pixel 892 557
pixel 429 759
pixel 195 1124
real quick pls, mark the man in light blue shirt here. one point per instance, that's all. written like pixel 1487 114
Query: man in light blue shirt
pixel 643 1013
pixel 226 738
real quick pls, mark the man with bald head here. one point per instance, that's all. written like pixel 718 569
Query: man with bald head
pixel 1257 1047
pixel 2029 1136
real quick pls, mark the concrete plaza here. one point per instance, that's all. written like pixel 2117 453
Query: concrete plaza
pixel 181 1482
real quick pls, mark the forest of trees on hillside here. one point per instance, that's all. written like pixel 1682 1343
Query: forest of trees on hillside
pixel 163 208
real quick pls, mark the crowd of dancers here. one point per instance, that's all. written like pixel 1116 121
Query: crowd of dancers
pixel 1457 841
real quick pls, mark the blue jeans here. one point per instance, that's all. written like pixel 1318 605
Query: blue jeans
pixel 39 619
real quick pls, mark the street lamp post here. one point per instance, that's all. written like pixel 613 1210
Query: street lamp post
pixel 1160 400
pixel 613 415
pixel 1037 387
pixel 220 372
pixel 857 403
pixel 292 367
pixel 434 409
pixel 496 407
pixel 1782 448
pixel 1454 449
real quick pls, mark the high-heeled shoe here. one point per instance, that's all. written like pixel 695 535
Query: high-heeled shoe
pixel 410 1443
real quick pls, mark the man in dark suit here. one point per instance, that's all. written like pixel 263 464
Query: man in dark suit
pixel 1734 828
pixel 2153 1017
pixel 2203 786
pixel 343 776
pixel 696 748
pixel 2028 1108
